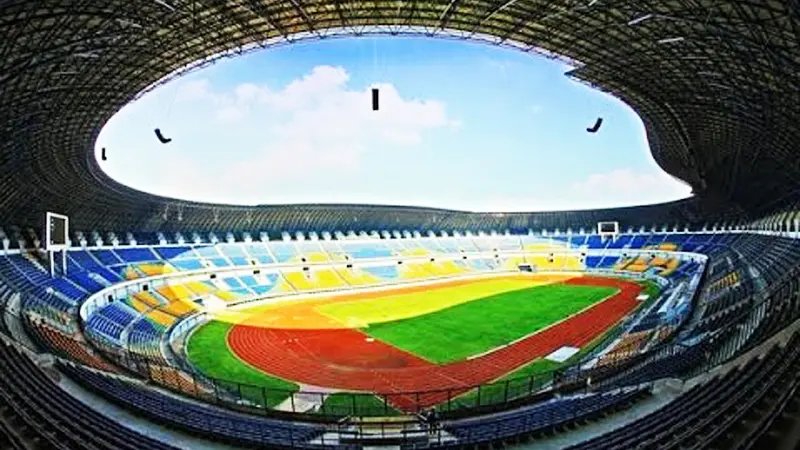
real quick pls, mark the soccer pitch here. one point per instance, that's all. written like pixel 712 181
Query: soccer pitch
pixel 474 327
pixel 405 305
pixel 436 327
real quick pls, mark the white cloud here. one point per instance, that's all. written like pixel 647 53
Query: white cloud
pixel 271 139
pixel 622 187
pixel 628 187
pixel 192 90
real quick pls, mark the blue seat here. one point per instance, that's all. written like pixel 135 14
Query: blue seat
pixel 385 272
pixel 133 255
pixel 170 253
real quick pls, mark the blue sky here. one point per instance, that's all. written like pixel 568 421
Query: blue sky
pixel 461 126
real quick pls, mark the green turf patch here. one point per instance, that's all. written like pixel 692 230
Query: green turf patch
pixel 347 404
pixel 399 306
pixel 523 381
pixel 468 329
pixel 208 351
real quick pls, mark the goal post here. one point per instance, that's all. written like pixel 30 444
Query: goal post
pixel 56 239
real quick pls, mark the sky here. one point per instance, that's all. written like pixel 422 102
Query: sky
pixel 461 125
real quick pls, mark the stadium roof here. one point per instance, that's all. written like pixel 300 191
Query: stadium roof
pixel 716 83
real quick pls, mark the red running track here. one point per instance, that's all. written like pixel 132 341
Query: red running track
pixel 344 359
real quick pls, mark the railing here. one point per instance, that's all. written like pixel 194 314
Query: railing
pixel 180 376
pixel 464 401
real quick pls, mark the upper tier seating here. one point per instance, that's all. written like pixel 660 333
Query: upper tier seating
pixel 179 252
pixel 383 272
pixel 259 252
pixel 108 257
pixel 357 277
pixel 283 251
pixel 311 251
pixel 133 255
pixel 360 250
pixel 314 279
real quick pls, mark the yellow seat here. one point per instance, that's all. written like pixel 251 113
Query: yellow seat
pixel 175 292
pixel 327 279
pixel 130 273
pixel 161 318
pixel 300 281
pixel 180 308
pixel 637 267
pixel 356 277
pixel 199 288
pixel 316 257
pixel 514 262
pixel 147 298
pixel 414 252
pixel 227 296
pixel 137 304
pixel 658 261
pixel 154 269
pixel 451 268
pixel 414 271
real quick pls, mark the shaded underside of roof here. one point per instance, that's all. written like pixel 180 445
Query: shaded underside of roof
pixel 716 83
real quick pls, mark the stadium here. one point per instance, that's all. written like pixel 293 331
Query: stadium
pixel 137 321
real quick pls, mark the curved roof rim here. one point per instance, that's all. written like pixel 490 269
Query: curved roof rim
pixel 368 31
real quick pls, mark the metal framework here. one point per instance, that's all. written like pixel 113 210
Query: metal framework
pixel 716 83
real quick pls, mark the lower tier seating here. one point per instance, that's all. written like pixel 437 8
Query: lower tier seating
pixel 704 413
pixel 201 420
pixel 45 417
pixel 542 417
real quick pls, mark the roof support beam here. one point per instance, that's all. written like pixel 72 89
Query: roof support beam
pixel 257 9
pixel 491 14
pixel 304 15
pixel 444 19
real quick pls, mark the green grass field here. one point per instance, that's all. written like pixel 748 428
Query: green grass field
pixel 493 315
pixel 346 404
pixel 208 351
pixel 404 305
pixel 472 328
